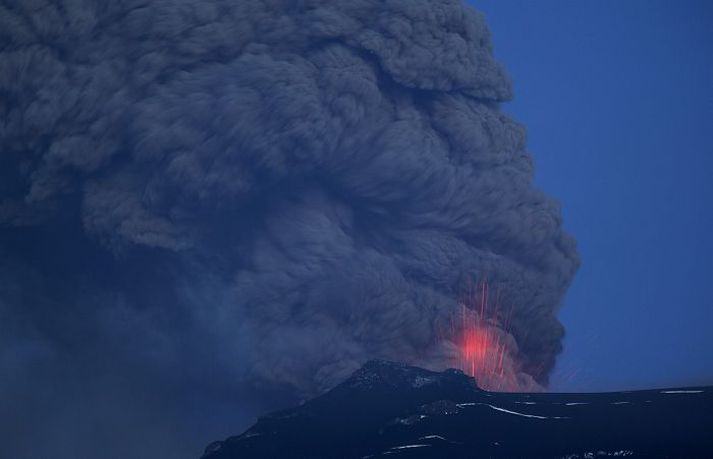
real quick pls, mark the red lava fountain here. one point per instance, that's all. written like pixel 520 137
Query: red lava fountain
pixel 485 348
pixel 481 353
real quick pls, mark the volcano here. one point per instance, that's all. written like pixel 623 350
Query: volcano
pixel 394 410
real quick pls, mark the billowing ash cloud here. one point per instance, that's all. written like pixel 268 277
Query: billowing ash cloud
pixel 261 193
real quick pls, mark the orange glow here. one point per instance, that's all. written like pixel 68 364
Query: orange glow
pixel 482 356
pixel 482 343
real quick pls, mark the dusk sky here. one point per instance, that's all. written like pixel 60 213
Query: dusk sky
pixel 618 101
pixel 214 209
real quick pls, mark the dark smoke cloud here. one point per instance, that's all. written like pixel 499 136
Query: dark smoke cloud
pixel 208 201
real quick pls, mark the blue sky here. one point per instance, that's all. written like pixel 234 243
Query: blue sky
pixel 202 221
pixel 618 101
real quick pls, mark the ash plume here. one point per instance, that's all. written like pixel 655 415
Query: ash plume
pixel 220 197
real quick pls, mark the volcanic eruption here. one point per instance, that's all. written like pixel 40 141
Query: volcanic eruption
pixel 486 348
pixel 270 192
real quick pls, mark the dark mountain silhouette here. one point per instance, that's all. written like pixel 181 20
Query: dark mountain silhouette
pixel 393 410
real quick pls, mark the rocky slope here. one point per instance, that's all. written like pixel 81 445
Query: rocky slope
pixel 394 410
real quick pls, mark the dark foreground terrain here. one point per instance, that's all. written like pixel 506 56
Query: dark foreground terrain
pixel 392 410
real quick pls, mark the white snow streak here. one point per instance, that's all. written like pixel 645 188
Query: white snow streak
pixel 410 446
pixel 428 437
pixel 516 413
pixel 681 392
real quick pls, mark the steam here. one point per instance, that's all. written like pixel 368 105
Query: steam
pixel 281 190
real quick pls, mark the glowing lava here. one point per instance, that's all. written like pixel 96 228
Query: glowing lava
pixel 486 349
pixel 482 354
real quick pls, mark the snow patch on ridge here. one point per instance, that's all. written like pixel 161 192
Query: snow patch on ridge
pixel 516 413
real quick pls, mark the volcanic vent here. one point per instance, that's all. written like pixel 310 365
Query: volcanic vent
pixel 486 349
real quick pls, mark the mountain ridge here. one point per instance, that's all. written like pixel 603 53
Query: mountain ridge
pixel 388 408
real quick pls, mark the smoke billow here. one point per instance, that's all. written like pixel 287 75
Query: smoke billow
pixel 211 197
